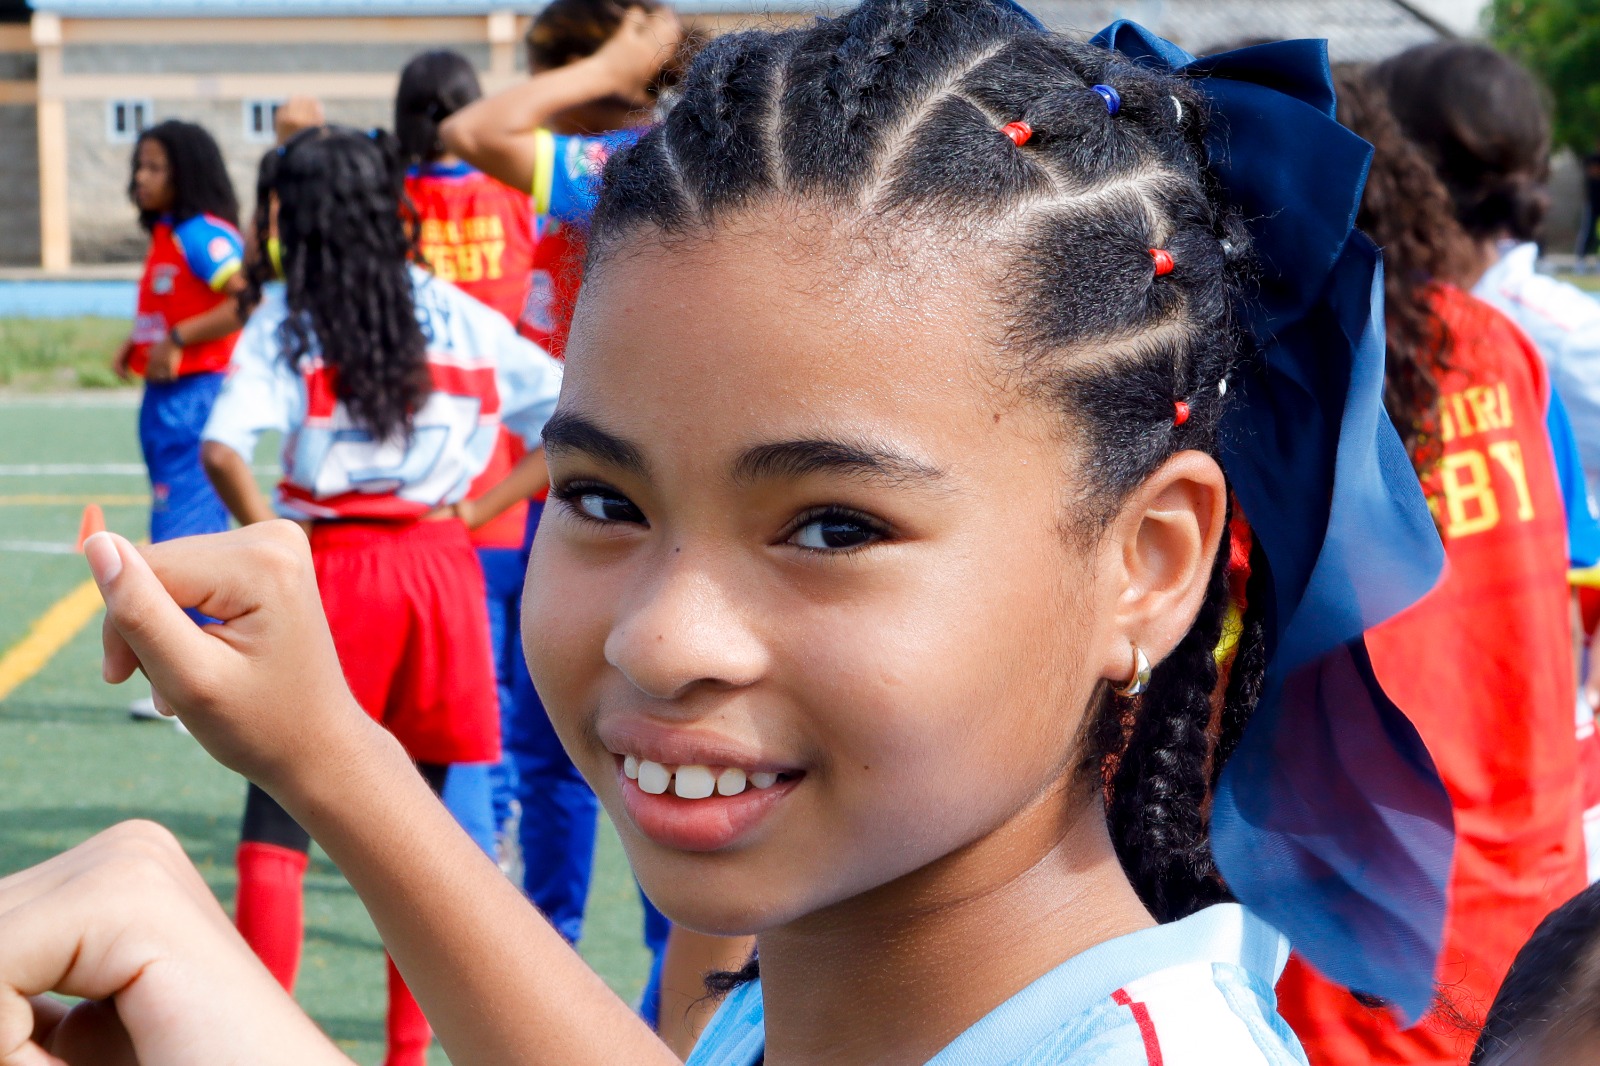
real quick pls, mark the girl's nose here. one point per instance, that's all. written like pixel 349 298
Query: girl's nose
pixel 683 630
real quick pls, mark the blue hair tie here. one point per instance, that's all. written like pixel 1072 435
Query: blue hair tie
pixel 1330 820
pixel 1112 98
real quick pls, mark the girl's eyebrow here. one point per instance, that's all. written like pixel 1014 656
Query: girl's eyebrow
pixel 790 459
pixel 795 459
pixel 571 432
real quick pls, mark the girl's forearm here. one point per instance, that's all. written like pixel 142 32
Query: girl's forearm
pixel 235 482
pixel 496 134
pixel 498 983
pixel 218 322
pixel 523 481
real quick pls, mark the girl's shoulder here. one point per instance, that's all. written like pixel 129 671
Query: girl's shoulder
pixel 1197 992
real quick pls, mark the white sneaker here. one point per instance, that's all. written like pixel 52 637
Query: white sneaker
pixel 143 709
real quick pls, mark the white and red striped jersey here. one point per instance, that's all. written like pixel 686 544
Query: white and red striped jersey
pixel 484 375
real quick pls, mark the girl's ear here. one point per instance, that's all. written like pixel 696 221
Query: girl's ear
pixel 1158 554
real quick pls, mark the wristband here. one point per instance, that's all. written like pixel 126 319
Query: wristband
pixel 175 337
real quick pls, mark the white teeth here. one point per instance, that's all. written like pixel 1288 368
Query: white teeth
pixel 653 777
pixel 693 782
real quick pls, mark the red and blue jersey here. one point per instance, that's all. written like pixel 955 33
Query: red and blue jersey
pixel 566 184
pixel 484 375
pixel 189 264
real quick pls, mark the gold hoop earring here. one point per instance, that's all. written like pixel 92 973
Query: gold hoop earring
pixel 1141 675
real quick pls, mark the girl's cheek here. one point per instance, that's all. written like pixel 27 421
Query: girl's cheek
pixel 563 627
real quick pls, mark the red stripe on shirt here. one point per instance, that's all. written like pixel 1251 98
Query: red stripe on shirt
pixel 1147 1028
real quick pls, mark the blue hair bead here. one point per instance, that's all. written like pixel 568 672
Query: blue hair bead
pixel 1112 98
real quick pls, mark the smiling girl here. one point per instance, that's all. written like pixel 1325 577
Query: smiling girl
pixel 890 571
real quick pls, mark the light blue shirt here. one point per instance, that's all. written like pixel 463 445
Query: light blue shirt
pixel 1197 992
pixel 1563 322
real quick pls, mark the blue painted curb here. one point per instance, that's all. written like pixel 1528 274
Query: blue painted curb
pixel 68 299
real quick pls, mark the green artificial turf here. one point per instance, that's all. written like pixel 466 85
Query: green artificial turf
pixel 72 763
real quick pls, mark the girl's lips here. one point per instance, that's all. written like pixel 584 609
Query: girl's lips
pixel 700 824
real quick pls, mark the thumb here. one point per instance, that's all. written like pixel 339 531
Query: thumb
pixel 144 624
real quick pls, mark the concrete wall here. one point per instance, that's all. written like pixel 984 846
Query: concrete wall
pixel 19 187
pixel 104 224
pixel 243 59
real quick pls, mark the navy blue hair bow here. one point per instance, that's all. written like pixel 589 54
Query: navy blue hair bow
pixel 1330 820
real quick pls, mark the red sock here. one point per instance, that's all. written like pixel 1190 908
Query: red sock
pixel 271 906
pixel 409 1033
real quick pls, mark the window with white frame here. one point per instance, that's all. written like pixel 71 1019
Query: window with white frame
pixel 126 119
pixel 259 116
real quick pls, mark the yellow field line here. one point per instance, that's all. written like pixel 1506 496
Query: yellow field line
pixel 46 500
pixel 54 629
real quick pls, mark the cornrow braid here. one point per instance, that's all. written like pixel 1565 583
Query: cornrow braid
pixel 891 116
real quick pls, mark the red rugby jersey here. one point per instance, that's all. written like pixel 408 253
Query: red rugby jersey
pixel 479 235
pixel 185 270
pixel 1483 666
pixel 476 233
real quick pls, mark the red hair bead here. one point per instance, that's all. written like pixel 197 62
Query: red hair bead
pixel 1180 412
pixel 1018 131
pixel 1163 261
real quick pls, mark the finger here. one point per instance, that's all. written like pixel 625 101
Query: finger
pixel 117 662
pixel 230 575
pixel 143 612
pixel 47 1014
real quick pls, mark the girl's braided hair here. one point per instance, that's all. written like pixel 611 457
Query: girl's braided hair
pixel 891 115
pixel 348 237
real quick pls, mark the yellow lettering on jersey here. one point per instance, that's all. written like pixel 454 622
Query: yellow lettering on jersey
pixel 1464 424
pixel 493 252
pixel 1470 504
pixel 1508 453
pixel 469 263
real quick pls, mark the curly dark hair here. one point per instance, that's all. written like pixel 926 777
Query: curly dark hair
pixel 433 86
pixel 889 117
pixel 1481 121
pixel 1408 214
pixel 200 182
pixel 346 251
pixel 567 30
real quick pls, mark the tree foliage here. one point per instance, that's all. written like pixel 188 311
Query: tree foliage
pixel 1559 40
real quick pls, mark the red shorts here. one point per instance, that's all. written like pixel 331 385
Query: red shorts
pixel 406 604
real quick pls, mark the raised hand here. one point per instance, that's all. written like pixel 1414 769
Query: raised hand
pixel 125 921
pixel 264 692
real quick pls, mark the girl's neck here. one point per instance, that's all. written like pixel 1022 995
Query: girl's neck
pixel 1487 251
pixel 893 976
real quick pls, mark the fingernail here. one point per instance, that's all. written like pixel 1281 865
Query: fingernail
pixel 105 562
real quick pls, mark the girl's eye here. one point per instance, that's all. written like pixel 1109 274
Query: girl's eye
pixel 601 505
pixel 836 531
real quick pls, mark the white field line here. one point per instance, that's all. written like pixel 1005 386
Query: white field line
pixel 39 547
pixel 87 469
pixel 121 398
